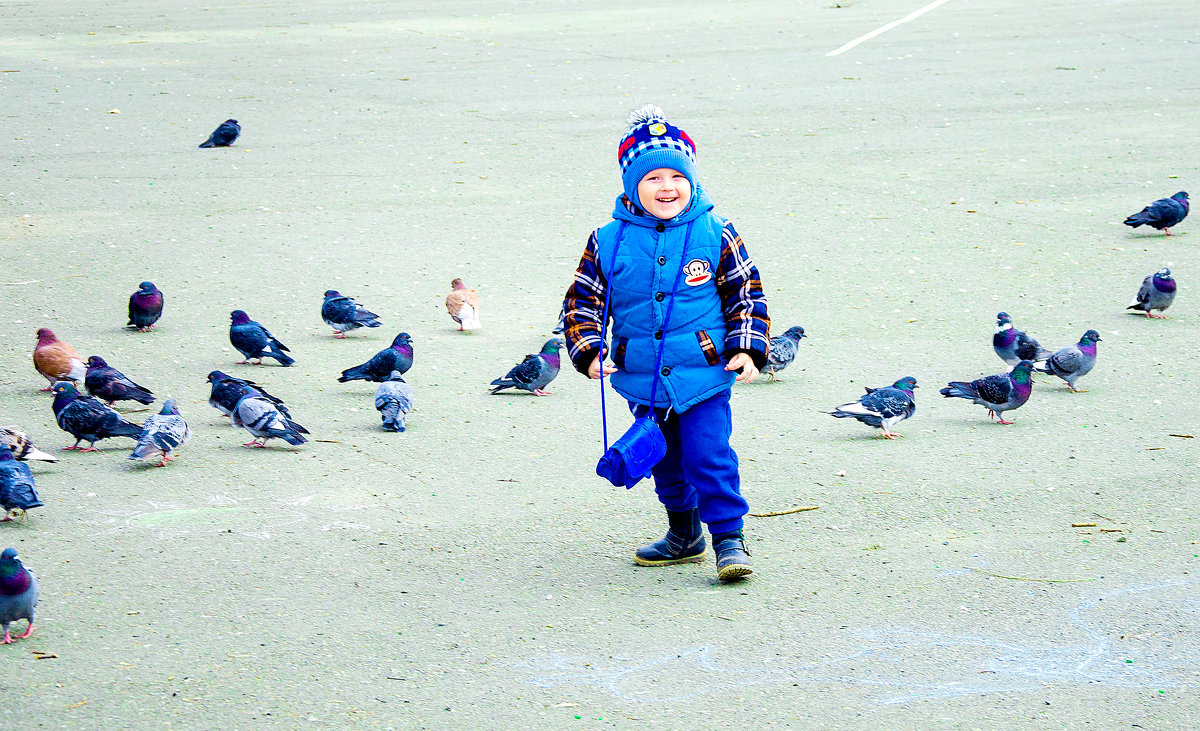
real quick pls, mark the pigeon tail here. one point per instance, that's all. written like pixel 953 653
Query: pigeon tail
pixel 960 389
pixel 126 429
pixel 393 420
pixel 277 354
pixel 468 318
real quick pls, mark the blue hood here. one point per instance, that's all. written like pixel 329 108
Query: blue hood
pixel 627 211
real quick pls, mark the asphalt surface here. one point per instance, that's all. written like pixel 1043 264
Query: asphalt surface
pixel 473 572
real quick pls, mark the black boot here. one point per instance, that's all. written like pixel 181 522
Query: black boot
pixel 684 542
pixel 733 557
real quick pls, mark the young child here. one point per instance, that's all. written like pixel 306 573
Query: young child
pixel 666 255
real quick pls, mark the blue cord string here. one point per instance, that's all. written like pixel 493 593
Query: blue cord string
pixel 687 239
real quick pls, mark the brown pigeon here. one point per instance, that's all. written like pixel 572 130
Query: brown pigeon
pixel 56 360
pixel 463 306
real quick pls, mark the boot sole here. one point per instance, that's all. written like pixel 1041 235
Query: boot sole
pixel 669 561
pixel 734 572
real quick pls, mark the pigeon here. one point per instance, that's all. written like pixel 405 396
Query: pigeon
pixel 1014 346
pixel 162 434
pixel 999 393
pixel 1162 214
pixel 262 418
pixel 223 135
pixel 535 372
pixel 145 307
pixel 18 594
pixel 882 408
pixel 1074 361
pixel 782 351
pixel 21 446
pixel 342 313
pixel 463 306
pixel 86 418
pixel 56 360
pixel 393 399
pixel 396 357
pixel 105 382
pixel 228 390
pixel 16 486
pixel 1157 293
pixel 254 341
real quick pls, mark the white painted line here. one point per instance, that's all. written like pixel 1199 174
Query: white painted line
pixel 884 29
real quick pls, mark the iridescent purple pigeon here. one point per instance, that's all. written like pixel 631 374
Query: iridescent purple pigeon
pixel 1162 214
pixel 145 307
pixel 1014 346
pixel 18 594
pixel 396 357
pixel 224 135
pixel 1157 293
pixel 1074 361
pixel 998 393
pixel 535 372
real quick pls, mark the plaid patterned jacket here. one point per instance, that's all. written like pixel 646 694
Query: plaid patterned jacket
pixel 743 303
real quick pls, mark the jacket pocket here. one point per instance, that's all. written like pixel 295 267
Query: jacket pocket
pixel 708 348
pixel 618 355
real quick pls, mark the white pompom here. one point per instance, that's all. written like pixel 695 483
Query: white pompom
pixel 648 113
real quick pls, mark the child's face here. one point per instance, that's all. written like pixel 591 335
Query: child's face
pixel 664 193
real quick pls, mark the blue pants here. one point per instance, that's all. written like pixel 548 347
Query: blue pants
pixel 700 469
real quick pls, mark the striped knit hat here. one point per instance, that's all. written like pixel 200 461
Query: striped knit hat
pixel 651 143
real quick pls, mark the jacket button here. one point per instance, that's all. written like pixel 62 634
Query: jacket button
pixel 662 260
pixel 660 297
pixel 660 228
pixel 658 334
pixel 666 371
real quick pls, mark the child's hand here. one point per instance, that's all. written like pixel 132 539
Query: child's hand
pixel 746 364
pixel 596 366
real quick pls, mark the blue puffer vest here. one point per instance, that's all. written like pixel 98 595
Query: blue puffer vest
pixel 649 257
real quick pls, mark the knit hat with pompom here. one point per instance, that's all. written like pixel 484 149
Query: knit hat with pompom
pixel 652 143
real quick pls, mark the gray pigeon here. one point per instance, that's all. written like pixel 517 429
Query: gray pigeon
pixel 262 418
pixel 1157 293
pixel 782 352
pixel 882 408
pixel 535 372
pixel 162 434
pixel 394 399
pixel 1074 361
pixel 18 594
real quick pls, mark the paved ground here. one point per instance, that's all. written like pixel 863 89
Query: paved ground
pixel 472 572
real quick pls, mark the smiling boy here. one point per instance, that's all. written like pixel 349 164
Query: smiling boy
pixel 680 287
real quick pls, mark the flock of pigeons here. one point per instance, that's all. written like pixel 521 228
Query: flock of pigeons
pixel 883 408
pixel 249 406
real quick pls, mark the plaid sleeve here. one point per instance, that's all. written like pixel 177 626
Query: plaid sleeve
pixel 748 327
pixel 584 306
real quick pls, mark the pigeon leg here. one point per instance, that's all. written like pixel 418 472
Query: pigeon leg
pixel 888 435
pixel 1002 421
pixel 339 334
pixel 1156 317
pixel 991 414
pixel 1167 231
pixel 90 448
pixel 73 446
pixel 7 639
pixel 6 517
pixel 28 632
pixel 1076 390
pixel 540 392
pixel 241 362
